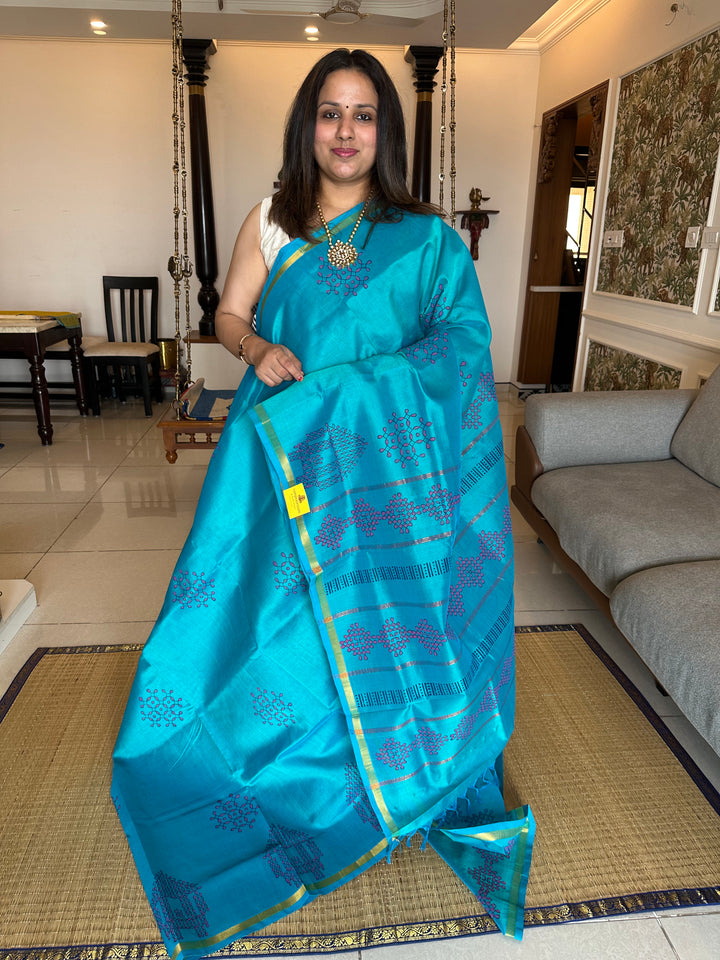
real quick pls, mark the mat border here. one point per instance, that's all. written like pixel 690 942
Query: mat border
pixel 412 933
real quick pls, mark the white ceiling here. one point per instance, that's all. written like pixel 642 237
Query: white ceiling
pixel 483 24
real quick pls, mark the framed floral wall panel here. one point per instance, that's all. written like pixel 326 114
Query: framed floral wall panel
pixel 662 173
pixel 610 368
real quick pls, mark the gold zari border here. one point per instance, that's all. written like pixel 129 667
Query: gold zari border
pixel 285 946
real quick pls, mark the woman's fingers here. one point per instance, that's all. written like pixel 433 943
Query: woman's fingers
pixel 276 364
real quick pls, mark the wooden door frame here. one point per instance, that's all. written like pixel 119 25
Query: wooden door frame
pixel 547 248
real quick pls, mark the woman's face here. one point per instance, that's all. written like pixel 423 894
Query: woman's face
pixel 346 127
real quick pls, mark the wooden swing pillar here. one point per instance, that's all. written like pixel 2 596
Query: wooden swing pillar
pixel 424 61
pixel 195 55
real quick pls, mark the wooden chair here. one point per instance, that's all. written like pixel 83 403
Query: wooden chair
pixel 130 360
pixel 61 351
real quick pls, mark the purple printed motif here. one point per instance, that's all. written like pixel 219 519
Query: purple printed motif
pixel 486 387
pixel 326 455
pixel 493 544
pixel 292 854
pixel 465 375
pixel 395 754
pixel 399 513
pixel 236 813
pixel 469 574
pixel 434 344
pixel 430 349
pixel 393 637
pixel 485 392
pixel 288 575
pixel 178 907
pixel 436 311
pixel 441 504
pixel 271 708
pixel 191 589
pixel 344 281
pixel 407 433
pixel 365 518
pixel 488 704
pixel 332 530
pixel 356 797
pixel 487 881
pixel 161 707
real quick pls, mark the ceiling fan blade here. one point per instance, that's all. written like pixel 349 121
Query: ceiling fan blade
pixel 395 21
pixel 281 13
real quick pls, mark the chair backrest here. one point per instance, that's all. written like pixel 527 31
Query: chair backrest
pixel 134 295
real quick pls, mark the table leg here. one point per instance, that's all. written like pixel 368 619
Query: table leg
pixel 76 363
pixel 40 397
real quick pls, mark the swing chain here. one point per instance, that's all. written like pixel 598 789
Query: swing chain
pixel 448 37
pixel 180 266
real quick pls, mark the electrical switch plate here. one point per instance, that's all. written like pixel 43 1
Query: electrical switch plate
pixel 692 237
pixel 710 239
pixel 614 238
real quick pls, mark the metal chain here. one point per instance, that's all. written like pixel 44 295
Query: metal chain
pixel 453 79
pixel 179 265
pixel 443 106
pixel 448 37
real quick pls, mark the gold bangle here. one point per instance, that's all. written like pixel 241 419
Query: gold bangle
pixel 241 349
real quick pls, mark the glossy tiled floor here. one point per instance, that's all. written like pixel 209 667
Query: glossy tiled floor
pixel 96 522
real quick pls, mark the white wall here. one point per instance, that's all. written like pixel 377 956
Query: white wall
pixel 86 183
pixel 621 37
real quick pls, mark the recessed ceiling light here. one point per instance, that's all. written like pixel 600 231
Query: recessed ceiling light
pixel 100 33
pixel 97 24
pixel 311 30
pixel 313 39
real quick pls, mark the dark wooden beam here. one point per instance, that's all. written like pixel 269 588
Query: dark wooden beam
pixel 195 58
pixel 424 61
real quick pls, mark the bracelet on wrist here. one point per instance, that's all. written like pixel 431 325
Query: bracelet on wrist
pixel 241 349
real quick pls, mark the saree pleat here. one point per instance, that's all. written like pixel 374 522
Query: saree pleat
pixel 332 670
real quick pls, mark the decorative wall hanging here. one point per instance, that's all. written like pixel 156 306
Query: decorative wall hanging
pixel 475 219
pixel 662 174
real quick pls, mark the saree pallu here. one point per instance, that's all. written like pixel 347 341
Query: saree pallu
pixel 332 670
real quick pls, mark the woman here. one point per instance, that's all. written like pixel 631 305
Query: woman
pixel 332 670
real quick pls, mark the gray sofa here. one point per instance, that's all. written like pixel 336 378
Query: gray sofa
pixel 624 490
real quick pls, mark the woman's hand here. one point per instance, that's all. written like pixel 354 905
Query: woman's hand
pixel 272 362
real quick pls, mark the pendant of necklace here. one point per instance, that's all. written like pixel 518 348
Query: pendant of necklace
pixel 341 253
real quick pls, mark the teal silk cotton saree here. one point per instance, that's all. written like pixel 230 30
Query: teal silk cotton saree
pixel 332 670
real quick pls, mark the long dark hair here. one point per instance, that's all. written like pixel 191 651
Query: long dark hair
pixel 293 206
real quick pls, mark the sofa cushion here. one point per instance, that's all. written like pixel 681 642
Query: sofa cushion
pixel 671 616
pixel 697 440
pixel 615 519
pixel 613 426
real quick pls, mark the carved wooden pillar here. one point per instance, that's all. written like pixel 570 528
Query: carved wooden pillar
pixel 424 61
pixel 195 57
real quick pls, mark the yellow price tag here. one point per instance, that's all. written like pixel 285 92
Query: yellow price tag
pixel 296 501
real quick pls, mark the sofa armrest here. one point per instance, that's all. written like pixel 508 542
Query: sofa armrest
pixel 572 429
pixel 527 463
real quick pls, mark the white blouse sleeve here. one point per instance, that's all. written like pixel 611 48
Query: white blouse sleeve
pixel 272 237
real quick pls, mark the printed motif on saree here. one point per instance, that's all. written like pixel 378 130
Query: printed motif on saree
pixel 333 667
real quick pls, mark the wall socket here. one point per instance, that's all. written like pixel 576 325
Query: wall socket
pixel 710 239
pixel 614 238
pixel 692 237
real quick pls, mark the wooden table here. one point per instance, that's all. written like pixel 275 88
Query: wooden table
pixel 28 335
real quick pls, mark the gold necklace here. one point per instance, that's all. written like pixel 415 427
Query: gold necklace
pixel 341 253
